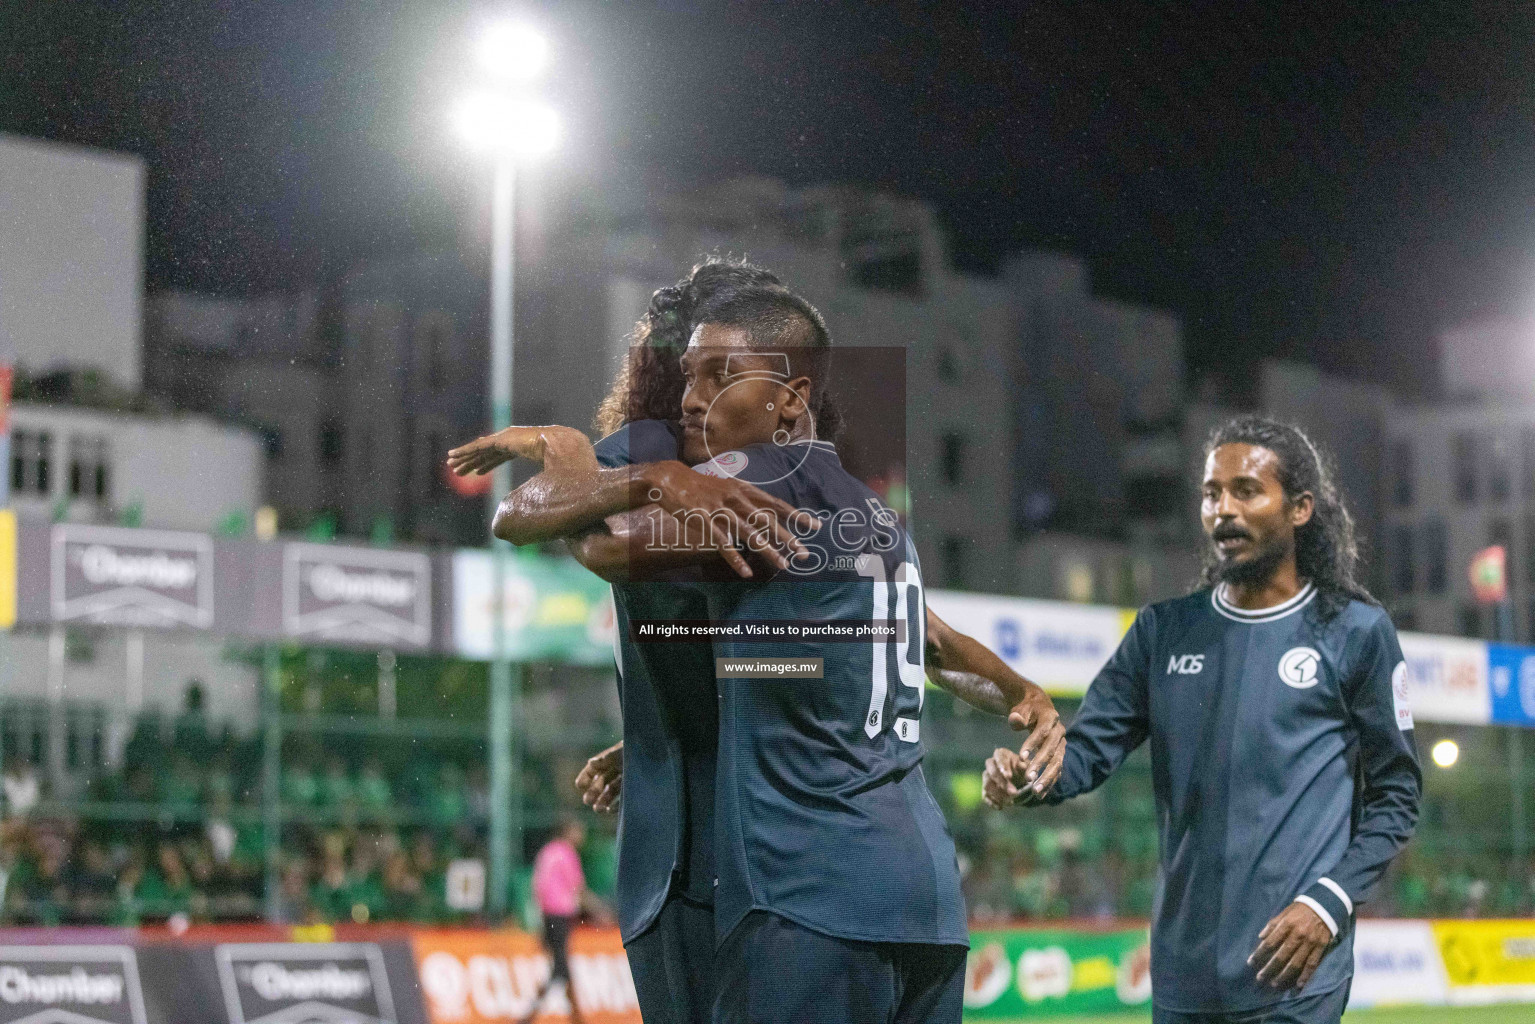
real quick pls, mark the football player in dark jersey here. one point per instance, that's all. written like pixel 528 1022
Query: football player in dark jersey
pixel 1286 777
pixel 670 736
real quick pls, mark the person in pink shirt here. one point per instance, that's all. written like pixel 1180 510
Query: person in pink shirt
pixel 559 889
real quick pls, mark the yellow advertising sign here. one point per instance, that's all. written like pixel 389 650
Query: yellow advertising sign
pixel 1487 954
pixel 7 568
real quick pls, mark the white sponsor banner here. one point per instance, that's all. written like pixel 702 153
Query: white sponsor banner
pixel 296 983
pixel 1061 646
pixel 125 577
pixel 1397 963
pixel 1447 679
pixel 362 595
pixel 70 985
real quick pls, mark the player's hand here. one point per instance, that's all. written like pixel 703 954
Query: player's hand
pixel 1290 947
pixel 484 454
pixel 1044 753
pixel 736 513
pixel 1004 782
pixel 997 787
pixel 601 781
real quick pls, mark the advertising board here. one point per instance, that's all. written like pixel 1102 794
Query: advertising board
pixel 1396 963
pixel 1488 961
pixel 109 575
pixel 357 595
pixel 1058 645
pixel 492 977
pixel 552 610
pixel 1018 972
pixel 70 985
pixel 1447 679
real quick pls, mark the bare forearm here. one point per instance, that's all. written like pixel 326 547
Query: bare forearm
pixel 570 495
pixel 977 691
pixel 625 547
pixel 553 504
pixel 949 651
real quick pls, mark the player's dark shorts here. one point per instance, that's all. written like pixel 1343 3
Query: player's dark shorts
pixel 773 971
pixel 1307 1008
pixel 557 944
pixel 673 964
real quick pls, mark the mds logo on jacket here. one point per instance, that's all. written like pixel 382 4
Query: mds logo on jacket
pixel 1186 665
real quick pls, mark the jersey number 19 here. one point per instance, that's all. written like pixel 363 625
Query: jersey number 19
pixel 910 614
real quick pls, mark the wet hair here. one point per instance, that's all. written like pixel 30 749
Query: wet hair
pixel 649 385
pixel 777 320
pixel 1326 552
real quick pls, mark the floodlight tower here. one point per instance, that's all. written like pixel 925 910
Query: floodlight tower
pixel 509 125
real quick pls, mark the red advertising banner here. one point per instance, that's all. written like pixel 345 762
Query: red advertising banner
pixel 491 977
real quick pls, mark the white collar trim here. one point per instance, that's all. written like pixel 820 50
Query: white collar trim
pixel 1300 600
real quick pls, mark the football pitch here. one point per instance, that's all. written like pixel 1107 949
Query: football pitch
pixel 1404 1015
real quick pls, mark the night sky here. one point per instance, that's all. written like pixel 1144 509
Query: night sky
pixel 1333 186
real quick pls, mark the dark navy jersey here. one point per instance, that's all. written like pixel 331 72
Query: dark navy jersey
pixel 823 815
pixel 1284 767
pixel 670 721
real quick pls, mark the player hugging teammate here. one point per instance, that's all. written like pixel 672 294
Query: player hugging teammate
pixel 780 855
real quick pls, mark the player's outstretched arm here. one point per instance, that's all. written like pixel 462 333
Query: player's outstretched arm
pixel 546 506
pixel 971 671
pixel 573 494
pixel 564 446
pixel 1112 721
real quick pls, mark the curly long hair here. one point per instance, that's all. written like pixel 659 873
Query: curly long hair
pixel 649 385
pixel 1326 551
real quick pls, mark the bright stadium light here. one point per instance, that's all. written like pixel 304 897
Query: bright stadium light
pixel 513 51
pixel 507 125
pixel 1445 753
pixel 510 126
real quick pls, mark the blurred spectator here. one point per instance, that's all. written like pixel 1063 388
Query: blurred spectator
pixel 167 886
pixel 299 786
pixel 41 884
pixel 403 895
pixel 125 912
pixel 182 787
pixel 1034 888
pixel 293 893
pixel 190 736
pixel 220 831
pixel 92 884
pixel 373 791
pixel 330 895
pixel 336 790
pixel 431 869
pixel 478 791
pixel 447 801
